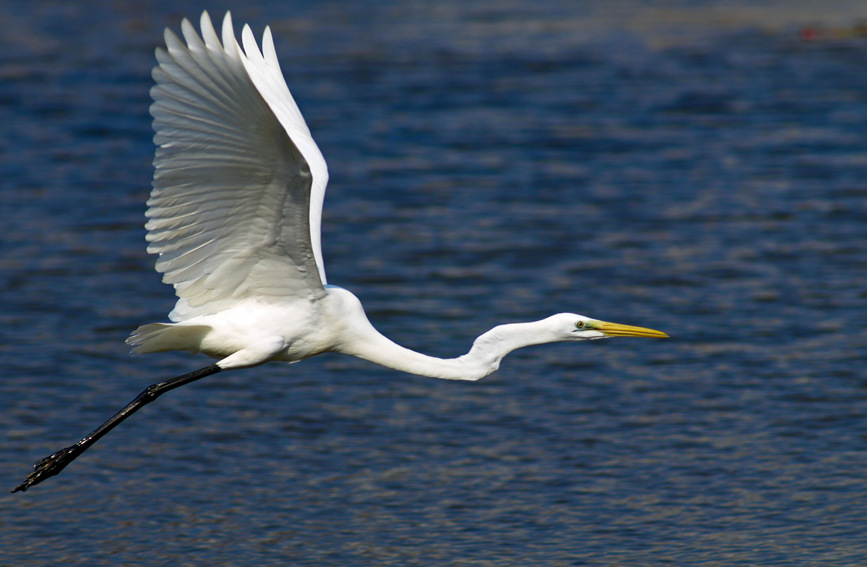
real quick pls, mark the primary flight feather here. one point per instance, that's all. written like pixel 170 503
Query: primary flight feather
pixel 234 217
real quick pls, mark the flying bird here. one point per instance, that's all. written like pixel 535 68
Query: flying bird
pixel 234 217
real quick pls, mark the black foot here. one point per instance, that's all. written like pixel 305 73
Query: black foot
pixel 49 466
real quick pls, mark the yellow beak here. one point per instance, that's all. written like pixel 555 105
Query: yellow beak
pixel 618 330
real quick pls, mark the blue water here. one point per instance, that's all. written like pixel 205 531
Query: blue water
pixel 691 169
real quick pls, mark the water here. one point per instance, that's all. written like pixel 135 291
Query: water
pixel 692 167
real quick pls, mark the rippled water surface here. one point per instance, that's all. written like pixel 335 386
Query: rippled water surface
pixel 695 167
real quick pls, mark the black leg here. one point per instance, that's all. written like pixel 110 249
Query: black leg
pixel 53 464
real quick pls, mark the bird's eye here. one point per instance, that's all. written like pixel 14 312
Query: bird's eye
pixel 580 325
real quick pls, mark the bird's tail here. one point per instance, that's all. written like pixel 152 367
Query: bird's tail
pixel 160 337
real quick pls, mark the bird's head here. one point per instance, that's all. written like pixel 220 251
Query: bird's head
pixel 574 327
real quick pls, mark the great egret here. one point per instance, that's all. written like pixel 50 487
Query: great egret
pixel 234 216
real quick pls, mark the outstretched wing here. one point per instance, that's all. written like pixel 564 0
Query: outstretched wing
pixel 237 195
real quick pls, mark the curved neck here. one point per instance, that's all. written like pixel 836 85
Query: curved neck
pixel 482 359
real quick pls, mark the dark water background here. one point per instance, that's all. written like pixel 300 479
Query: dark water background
pixel 698 167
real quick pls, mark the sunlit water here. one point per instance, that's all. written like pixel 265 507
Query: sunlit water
pixel 700 175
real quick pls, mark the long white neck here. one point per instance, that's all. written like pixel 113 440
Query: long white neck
pixel 484 357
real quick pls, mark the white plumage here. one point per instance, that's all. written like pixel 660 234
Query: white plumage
pixel 239 182
pixel 234 217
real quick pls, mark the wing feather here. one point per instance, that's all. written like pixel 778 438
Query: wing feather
pixel 239 182
pixel 266 75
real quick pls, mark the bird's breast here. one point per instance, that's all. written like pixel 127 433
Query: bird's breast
pixel 291 327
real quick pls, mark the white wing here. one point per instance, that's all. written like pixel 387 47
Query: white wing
pixel 239 183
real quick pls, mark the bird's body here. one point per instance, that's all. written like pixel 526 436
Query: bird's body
pixel 255 332
pixel 234 217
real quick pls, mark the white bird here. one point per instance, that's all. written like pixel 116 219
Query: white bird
pixel 234 216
